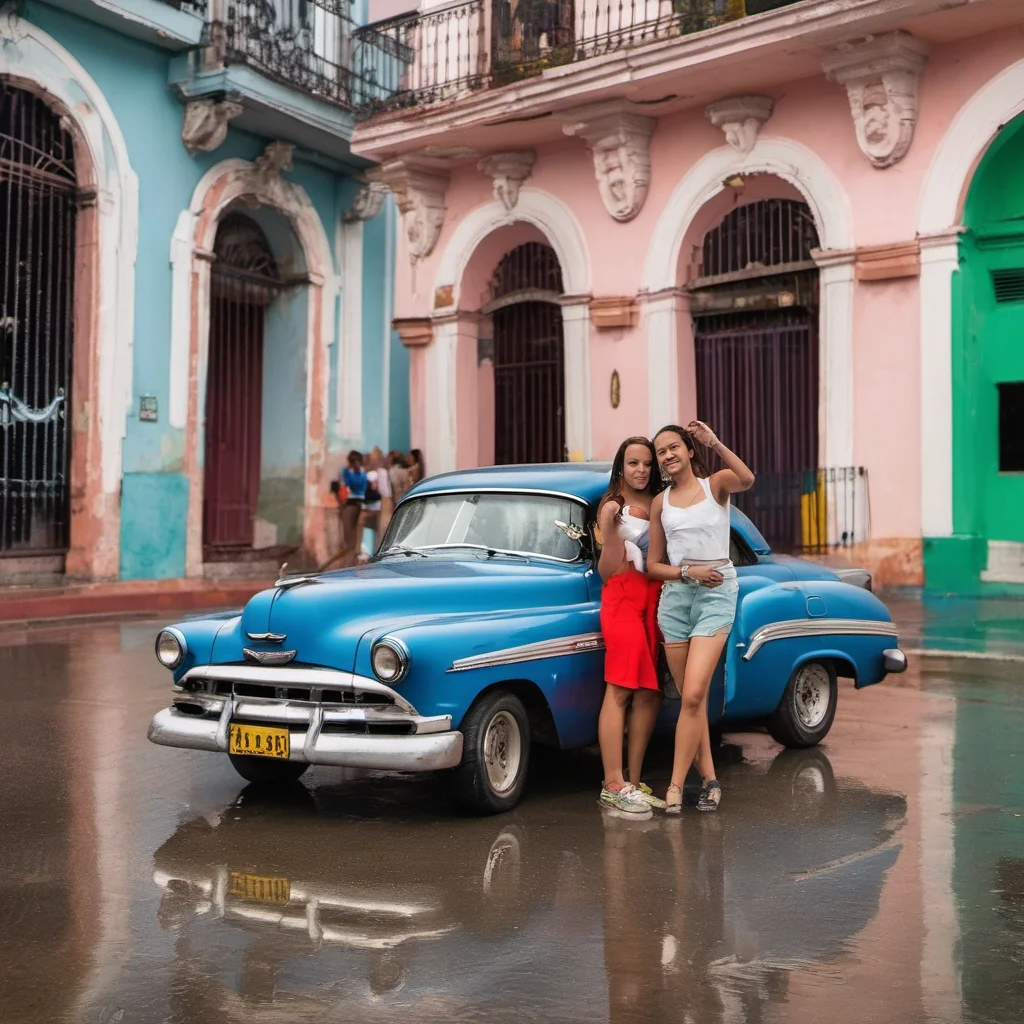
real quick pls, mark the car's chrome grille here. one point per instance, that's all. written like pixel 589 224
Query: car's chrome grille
pixel 304 694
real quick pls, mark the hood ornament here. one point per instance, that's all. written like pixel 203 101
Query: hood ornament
pixel 268 657
pixel 572 532
pixel 294 581
pixel 268 638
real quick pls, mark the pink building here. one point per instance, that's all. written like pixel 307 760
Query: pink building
pixel 620 215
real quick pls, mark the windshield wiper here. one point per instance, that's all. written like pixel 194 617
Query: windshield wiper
pixel 491 552
pixel 401 549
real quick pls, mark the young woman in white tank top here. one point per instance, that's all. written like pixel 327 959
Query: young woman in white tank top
pixel 689 551
pixel 628 608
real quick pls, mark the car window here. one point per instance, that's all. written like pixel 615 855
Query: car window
pixel 524 523
pixel 739 552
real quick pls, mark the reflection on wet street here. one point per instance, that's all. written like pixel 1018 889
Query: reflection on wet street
pixel 878 878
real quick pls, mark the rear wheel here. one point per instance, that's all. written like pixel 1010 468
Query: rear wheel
pixel 808 706
pixel 268 770
pixel 495 754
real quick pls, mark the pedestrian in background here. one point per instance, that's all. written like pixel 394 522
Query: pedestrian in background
pixel 369 519
pixel 689 551
pixel 628 604
pixel 399 474
pixel 387 499
pixel 353 479
pixel 416 469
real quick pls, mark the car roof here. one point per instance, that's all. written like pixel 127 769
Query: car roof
pixel 584 480
pixel 587 481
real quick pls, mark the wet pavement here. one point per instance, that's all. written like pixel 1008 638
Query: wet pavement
pixel 877 878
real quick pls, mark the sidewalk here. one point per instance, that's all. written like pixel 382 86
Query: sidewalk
pixel 962 627
pixel 135 598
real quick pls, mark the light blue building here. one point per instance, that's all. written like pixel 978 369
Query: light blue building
pixel 195 286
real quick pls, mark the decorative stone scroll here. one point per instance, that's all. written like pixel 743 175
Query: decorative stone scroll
pixel 741 118
pixel 264 179
pixel 205 124
pixel 509 171
pixel 881 76
pixel 620 143
pixel 420 195
pixel 368 201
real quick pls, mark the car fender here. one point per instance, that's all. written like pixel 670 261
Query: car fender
pixel 559 651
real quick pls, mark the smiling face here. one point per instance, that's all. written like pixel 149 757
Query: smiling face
pixel 673 455
pixel 637 467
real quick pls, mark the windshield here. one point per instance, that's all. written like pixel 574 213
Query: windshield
pixel 437 524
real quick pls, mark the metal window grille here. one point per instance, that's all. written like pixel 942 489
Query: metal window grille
pixel 38 205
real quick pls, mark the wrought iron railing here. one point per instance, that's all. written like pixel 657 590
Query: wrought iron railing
pixel 196 6
pixel 434 55
pixel 810 512
pixel 303 43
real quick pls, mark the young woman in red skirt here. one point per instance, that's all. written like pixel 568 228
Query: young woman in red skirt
pixel 629 603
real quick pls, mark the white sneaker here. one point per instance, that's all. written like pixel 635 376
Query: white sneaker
pixel 628 799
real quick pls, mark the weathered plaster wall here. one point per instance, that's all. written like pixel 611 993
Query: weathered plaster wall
pixel 133 77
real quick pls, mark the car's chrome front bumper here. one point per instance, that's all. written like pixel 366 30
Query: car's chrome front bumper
pixel 384 738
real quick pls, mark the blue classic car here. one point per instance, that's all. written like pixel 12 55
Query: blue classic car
pixel 474 632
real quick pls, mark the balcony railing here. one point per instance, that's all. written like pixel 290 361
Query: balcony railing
pixel 810 512
pixel 303 43
pixel 432 55
pixel 195 6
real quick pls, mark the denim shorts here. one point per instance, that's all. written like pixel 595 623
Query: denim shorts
pixel 687 609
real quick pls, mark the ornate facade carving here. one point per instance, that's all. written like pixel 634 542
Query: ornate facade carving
pixel 204 125
pixel 368 201
pixel 620 143
pixel 881 76
pixel 263 179
pixel 509 171
pixel 420 195
pixel 741 118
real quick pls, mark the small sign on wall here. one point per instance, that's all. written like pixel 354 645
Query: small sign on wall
pixel 147 408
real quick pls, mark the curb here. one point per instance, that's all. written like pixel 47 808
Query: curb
pixel 938 652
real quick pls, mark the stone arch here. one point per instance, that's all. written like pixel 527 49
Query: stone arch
pixel 256 184
pixel 805 171
pixel 104 316
pixel 449 424
pixel 944 192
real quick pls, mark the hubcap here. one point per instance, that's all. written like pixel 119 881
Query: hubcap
pixel 503 751
pixel 812 695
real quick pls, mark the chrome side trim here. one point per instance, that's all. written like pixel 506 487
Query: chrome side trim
pixel 793 628
pixel 580 643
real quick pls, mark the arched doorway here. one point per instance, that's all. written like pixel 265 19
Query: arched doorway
pixel 244 281
pixel 529 356
pixel 38 206
pixel 988 366
pixel 755 313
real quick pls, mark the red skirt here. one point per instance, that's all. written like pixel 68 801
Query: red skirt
pixel 629 623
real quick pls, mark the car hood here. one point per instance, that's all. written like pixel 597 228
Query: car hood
pixel 323 619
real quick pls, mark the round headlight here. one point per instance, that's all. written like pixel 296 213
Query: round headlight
pixel 170 648
pixel 390 660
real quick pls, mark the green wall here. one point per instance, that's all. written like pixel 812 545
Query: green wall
pixel 988 348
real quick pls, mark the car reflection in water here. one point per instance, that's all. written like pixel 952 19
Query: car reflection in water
pixel 557 912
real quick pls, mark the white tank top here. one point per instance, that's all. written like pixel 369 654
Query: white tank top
pixel 699 533
pixel 636 533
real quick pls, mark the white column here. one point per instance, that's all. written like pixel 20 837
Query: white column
pixel 835 341
pixel 440 453
pixel 576 341
pixel 350 353
pixel 661 313
pixel 940 257
pixel 181 320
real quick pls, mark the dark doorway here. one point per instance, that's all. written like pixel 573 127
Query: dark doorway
pixel 245 278
pixel 529 358
pixel 756 346
pixel 38 205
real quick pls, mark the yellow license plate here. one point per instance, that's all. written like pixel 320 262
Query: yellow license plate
pixel 260 887
pixel 258 740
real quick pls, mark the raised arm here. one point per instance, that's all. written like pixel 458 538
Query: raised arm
pixel 736 477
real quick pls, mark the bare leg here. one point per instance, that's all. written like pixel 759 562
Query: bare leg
pixel 700 667
pixel 611 725
pixel 642 719
pixel 704 761
pixel 349 522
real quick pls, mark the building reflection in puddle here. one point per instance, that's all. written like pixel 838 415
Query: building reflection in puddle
pixel 604 918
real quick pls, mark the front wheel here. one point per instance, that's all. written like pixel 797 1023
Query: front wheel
pixel 495 754
pixel 268 770
pixel 808 706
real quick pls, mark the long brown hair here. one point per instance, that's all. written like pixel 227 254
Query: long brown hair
pixel 618 480
pixel 698 462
